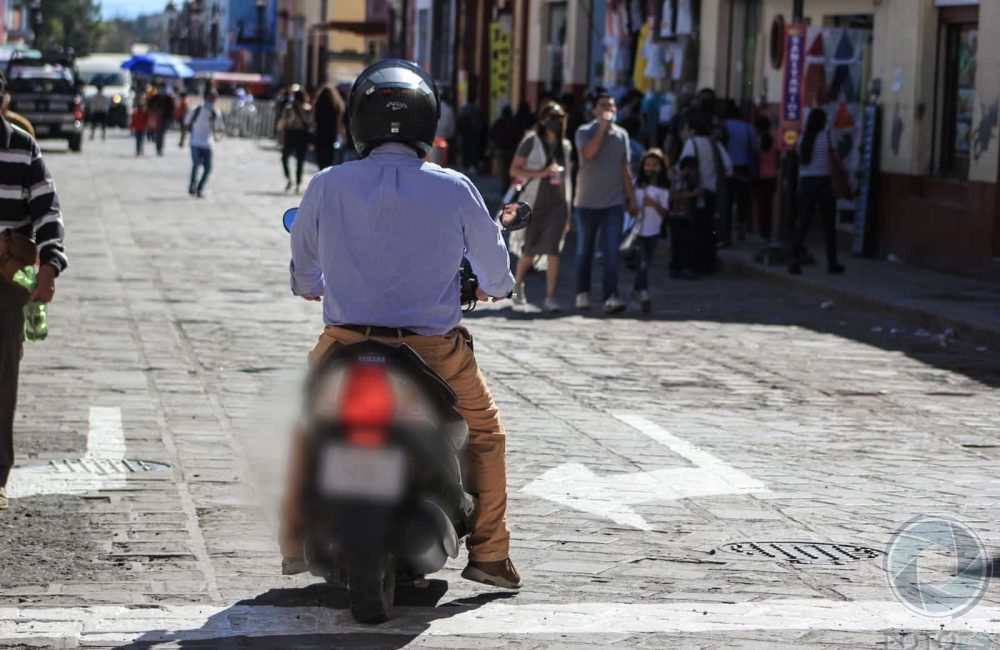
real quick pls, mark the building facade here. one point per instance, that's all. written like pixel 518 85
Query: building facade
pixel 933 81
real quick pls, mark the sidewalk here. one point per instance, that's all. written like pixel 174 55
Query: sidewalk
pixel 926 299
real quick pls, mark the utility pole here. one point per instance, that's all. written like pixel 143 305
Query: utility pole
pixel 261 6
pixel 788 181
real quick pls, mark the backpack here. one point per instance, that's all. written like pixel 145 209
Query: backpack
pixel 197 112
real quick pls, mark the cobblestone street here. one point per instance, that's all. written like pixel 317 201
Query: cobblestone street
pixel 738 411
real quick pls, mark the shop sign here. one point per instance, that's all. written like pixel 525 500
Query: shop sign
pixel 792 85
pixel 501 49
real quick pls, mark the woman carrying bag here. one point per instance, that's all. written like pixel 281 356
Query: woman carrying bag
pixel 294 129
pixel 543 159
pixel 821 181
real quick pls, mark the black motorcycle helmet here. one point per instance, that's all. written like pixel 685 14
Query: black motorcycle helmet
pixel 393 101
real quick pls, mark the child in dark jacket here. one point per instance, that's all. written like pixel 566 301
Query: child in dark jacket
pixel 688 211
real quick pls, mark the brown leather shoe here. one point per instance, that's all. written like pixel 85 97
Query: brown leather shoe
pixel 495 574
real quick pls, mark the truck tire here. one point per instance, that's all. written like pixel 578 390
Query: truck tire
pixel 372 588
pixel 76 143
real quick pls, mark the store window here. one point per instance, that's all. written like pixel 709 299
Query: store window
pixel 958 46
pixel 556 45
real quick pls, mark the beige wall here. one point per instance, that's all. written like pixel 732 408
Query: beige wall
pixel 713 36
pixel 577 43
pixel 987 88
pixel 905 41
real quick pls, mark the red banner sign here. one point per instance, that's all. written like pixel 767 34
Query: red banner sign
pixel 793 85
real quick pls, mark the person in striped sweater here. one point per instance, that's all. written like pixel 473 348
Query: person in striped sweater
pixel 29 206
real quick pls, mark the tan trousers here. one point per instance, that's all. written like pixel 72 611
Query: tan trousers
pixel 450 355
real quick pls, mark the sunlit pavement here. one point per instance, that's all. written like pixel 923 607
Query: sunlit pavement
pixel 639 447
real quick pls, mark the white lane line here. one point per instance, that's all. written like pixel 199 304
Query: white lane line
pixel 611 496
pixel 111 625
pixel 105 444
pixel 106 439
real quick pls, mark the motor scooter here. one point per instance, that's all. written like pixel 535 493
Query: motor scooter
pixel 385 499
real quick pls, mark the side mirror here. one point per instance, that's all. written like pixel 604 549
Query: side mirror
pixel 514 216
pixel 289 218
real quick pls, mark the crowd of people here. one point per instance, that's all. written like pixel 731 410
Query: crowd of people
pixel 625 180
pixel 617 173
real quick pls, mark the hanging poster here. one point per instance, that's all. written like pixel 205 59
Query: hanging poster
pixel 501 42
pixel 833 82
pixel 791 87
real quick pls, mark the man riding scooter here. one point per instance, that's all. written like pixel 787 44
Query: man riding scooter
pixel 380 242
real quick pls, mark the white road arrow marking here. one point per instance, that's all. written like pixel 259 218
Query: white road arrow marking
pixel 105 448
pixel 109 625
pixel 575 486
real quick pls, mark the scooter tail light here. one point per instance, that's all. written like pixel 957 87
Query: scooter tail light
pixel 368 401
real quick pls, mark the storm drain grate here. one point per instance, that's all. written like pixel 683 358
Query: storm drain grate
pixel 103 467
pixel 804 552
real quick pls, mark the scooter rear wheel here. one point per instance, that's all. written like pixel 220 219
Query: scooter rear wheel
pixel 372 588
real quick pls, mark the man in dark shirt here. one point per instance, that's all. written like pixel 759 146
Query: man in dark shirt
pixel 29 207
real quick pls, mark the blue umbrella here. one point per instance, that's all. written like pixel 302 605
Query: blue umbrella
pixel 156 64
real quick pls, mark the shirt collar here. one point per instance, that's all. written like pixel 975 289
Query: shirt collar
pixel 6 132
pixel 394 150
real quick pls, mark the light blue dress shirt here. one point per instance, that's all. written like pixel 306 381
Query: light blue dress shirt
pixel 382 240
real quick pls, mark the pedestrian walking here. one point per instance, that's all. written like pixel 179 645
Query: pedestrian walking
pixel 817 158
pixel 714 167
pixel 293 129
pixel 161 107
pixel 652 193
pixel 524 118
pixel 30 224
pixel 99 107
pixel 765 183
pixel 328 117
pixel 470 134
pixel 447 125
pixel 504 140
pixel 604 190
pixel 543 158
pixel 741 145
pixel 139 124
pixel 203 126
pixel 636 151
pixel 180 116
pixel 687 207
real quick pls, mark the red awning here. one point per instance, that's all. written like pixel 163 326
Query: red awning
pixel 361 28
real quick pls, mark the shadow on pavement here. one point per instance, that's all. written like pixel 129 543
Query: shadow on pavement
pixel 732 297
pixel 311 617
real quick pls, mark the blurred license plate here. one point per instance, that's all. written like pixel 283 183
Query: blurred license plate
pixel 41 128
pixel 361 472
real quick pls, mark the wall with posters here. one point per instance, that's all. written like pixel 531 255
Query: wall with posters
pixel 835 80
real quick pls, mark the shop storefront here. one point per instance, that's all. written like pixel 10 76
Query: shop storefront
pixel 917 68
pixel 940 148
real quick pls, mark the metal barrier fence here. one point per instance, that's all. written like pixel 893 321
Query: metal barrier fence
pixel 257 119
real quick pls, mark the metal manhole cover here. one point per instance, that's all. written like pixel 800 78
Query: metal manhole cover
pixel 101 467
pixel 804 552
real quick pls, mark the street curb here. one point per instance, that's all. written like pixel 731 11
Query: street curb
pixel 908 314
